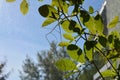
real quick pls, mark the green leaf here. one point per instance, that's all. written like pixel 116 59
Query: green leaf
pixel 76 53
pixel 68 36
pixel 103 41
pixel 77 30
pixel 115 33
pixel 91 10
pixel 48 21
pixel 114 22
pixel 73 2
pixel 94 24
pixel 48 11
pixel 90 44
pixel 24 7
pixel 117 44
pixel 61 4
pixel 10 0
pixel 108 73
pixel 89 52
pixel 85 16
pixel 65 64
pixel 72 47
pixel 63 43
pixel 69 26
pixel 110 38
pixel 98 24
pixel 115 63
pixel 87 21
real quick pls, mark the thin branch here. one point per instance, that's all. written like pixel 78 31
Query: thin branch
pixel 107 59
pixel 51 32
pixel 98 70
pixel 79 21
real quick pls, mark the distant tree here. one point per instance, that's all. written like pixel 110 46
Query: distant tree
pixel 30 69
pixel 2 75
pixel 45 68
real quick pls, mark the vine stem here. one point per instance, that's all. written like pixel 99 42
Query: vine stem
pixel 98 70
pixel 79 21
pixel 107 59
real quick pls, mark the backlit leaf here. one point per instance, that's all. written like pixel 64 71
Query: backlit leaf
pixel 90 44
pixel 69 26
pixel 110 38
pixel 89 52
pixel 85 16
pixel 103 41
pixel 10 0
pixel 94 24
pixel 24 7
pixel 68 36
pixel 76 53
pixel 63 43
pixel 72 2
pixel 88 21
pixel 117 44
pixel 61 4
pixel 48 21
pixel 91 10
pixel 98 24
pixel 108 73
pixel 114 22
pixel 65 64
pixel 48 11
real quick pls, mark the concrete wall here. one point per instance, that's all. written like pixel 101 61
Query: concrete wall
pixel 112 10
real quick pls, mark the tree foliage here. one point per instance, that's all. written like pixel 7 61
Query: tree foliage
pixel 30 69
pixel 2 75
pixel 44 68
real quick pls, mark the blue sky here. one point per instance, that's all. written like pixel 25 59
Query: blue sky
pixel 23 35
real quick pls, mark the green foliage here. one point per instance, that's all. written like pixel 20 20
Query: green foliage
pixel 61 4
pixel 83 24
pixel 110 38
pixel 48 11
pixel 24 7
pixel 48 21
pixel 10 0
pixel 91 10
pixel 114 22
pixel 108 73
pixel 76 53
pixel 68 36
pixel 80 24
pixel 63 43
pixel 94 24
pixel 89 47
pixel 65 64
pixel 69 26
pixel 103 41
